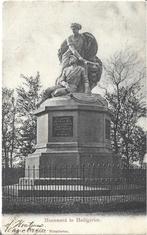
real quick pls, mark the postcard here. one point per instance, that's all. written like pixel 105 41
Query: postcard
pixel 73 117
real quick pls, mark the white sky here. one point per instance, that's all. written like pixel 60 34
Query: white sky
pixel 33 32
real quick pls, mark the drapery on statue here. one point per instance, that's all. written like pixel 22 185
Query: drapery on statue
pixel 81 68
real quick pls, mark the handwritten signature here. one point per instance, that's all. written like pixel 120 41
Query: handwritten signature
pixel 19 226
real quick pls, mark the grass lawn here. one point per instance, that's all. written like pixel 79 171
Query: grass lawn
pixel 120 203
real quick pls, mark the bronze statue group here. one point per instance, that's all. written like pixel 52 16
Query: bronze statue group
pixel 81 69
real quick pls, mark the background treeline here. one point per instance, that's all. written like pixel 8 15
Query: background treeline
pixel 122 82
pixel 18 121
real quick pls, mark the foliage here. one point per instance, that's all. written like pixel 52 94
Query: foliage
pixel 9 133
pixel 124 74
pixel 27 99
pixel 18 120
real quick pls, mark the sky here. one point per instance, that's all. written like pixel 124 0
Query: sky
pixel 34 31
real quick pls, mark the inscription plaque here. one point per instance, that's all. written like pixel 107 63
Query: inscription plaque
pixel 107 129
pixel 63 126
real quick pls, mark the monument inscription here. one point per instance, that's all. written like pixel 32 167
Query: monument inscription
pixel 63 126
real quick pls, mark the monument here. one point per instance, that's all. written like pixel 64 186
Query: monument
pixel 73 125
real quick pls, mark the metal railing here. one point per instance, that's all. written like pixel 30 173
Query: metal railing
pixel 69 184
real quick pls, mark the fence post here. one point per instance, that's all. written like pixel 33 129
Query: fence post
pixel 28 172
pixel 33 172
pixel 83 173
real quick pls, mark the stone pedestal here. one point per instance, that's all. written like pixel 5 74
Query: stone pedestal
pixel 72 131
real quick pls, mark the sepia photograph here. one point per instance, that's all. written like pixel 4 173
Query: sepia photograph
pixel 73 117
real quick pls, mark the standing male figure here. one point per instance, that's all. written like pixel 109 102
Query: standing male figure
pixel 75 45
pixel 84 46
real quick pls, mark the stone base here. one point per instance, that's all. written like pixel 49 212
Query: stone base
pixel 72 131
pixel 69 164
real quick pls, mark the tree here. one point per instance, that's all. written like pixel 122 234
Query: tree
pixel 124 74
pixel 9 135
pixel 133 148
pixel 27 99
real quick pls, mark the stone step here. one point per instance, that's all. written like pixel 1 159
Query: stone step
pixel 71 181
pixel 71 190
